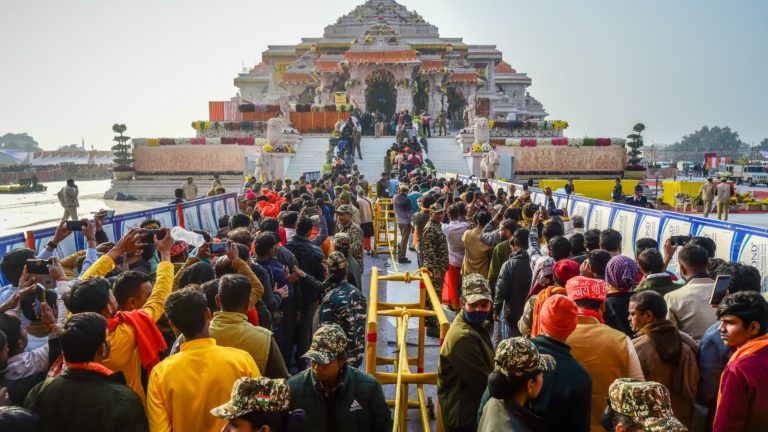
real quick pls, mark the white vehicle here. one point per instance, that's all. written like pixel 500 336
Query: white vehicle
pixel 750 174
pixel 684 166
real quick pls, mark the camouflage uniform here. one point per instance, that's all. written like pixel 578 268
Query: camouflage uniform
pixel 255 394
pixel 355 233
pixel 346 306
pixel 646 402
pixel 434 248
pixel 354 272
pixel 328 342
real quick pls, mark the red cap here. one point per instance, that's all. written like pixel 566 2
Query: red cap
pixel 582 287
pixel 566 269
pixel 558 316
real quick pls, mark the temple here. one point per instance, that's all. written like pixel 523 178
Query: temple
pixel 383 57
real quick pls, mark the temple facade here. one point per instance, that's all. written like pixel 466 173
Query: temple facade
pixel 383 57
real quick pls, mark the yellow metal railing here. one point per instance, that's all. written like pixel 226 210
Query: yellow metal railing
pixel 403 375
pixel 384 228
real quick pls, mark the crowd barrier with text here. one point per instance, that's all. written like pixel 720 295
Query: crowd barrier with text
pixel 735 242
pixel 200 214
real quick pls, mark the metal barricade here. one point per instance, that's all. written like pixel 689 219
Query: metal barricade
pixel 384 228
pixel 403 375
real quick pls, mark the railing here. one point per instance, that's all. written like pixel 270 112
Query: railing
pixel 403 375
pixel 384 228
pixel 735 242
pixel 201 214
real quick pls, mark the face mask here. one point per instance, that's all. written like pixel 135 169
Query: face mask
pixel 475 318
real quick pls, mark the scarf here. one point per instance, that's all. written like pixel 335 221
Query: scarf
pixel 596 315
pixel 746 350
pixel 542 275
pixel 149 340
pixel 621 273
pixel 666 340
pixel 538 303
pixel 90 366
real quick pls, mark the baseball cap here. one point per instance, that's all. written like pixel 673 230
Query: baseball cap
pixel 328 342
pixel 646 402
pixel 475 288
pixel 336 261
pixel 342 240
pixel 436 208
pixel 518 356
pixel 344 208
pixel 255 394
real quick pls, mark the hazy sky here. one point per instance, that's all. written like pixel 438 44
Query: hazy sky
pixel 72 68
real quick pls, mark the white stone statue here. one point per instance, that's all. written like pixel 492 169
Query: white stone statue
pixel 263 169
pixel 274 131
pixel 471 109
pixel 285 113
pixel 493 164
pixel 482 131
pixel 484 165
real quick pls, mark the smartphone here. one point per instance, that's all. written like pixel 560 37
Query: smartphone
pixel 106 214
pixel 722 282
pixel 75 225
pixel 218 248
pixel 680 240
pixel 38 266
pixel 149 235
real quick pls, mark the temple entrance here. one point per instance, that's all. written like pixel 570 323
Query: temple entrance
pixel 380 94
pixel 456 105
pixel 421 96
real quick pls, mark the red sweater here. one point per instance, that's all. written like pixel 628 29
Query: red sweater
pixel 744 395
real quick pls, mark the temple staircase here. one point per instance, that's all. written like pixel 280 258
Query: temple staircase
pixel 444 153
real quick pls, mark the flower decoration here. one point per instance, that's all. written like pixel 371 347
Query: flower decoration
pixel 486 147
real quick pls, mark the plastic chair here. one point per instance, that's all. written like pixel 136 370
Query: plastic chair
pixel 684 201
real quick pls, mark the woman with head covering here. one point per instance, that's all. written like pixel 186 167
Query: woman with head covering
pixel 516 380
pixel 260 404
pixel 621 275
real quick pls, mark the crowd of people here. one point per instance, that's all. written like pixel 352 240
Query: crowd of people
pixel 262 325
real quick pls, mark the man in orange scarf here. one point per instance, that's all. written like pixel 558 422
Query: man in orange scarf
pixel 743 396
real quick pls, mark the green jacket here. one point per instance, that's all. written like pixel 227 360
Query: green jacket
pixel 466 360
pixel 80 400
pixel 360 403
pixel 660 284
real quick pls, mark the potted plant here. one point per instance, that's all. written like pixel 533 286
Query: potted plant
pixel 633 169
pixel 661 205
pixel 123 169
pixel 764 204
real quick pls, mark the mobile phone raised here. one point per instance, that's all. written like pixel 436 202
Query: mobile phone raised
pixel 75 225
pixel 218 248
pixel 722 282
pixel 38 266
pixel 680 240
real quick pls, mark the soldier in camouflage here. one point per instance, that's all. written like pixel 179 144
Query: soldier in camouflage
pixel 342 242
pixel 434 247
pixel 346 225
pixel 345 306
pixel 644 402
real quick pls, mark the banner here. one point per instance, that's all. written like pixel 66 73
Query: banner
pixel 340 98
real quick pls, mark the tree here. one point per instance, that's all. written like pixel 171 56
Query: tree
pixel 634 144
pixel 19 142
pixel 722 141
pixel 122 150
pixel 70 147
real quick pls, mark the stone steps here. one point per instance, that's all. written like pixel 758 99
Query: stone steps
pixel 444 153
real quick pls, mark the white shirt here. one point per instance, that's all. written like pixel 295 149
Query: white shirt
pixel 453 233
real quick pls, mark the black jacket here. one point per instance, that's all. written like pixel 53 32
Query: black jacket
pixel 310 259
pixel 80 400
pixel 617 312
pixel 512 287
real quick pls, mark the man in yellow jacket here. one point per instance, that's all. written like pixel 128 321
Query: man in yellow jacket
pixel 93 294
pixel 185 387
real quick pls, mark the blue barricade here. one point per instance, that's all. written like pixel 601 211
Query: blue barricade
pixel 735 242
pixel 202 214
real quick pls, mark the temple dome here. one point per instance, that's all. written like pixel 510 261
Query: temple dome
pixel 504 67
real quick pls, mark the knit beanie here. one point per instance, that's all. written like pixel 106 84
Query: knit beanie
pixel 558 316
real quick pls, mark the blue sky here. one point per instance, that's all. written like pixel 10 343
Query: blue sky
pixel 74 68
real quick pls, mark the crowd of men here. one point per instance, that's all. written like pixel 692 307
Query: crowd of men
pixel 262 326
